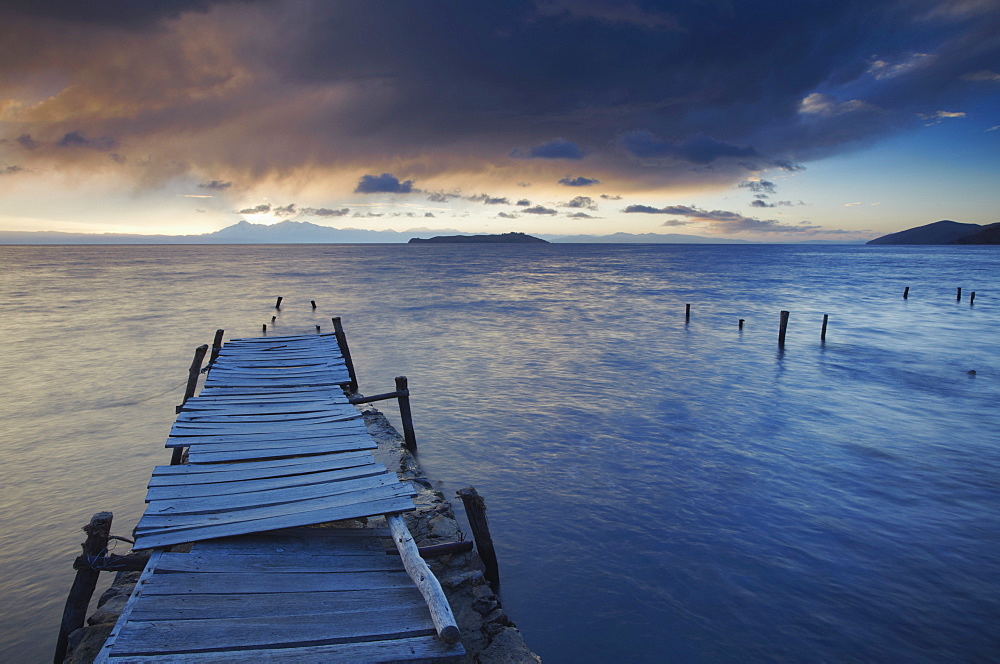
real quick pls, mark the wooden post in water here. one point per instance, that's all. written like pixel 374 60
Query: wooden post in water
pixel 958 294
pixel 313 303
pixel 409 437
pixel 338 330
pixel 781 329
pixel 216 346
pixel 75 612
pixel 193 372
pixel 274 318
pixel 475 509
pixel 741 323
pixel 822 334
pixel 277 305
pixel 906 293
pixel 972 297
pixel 317 329
pixel 687 314
pixel 263 328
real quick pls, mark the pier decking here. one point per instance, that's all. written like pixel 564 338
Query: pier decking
pixel 273 447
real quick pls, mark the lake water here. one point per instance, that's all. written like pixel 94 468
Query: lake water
pixel 657 491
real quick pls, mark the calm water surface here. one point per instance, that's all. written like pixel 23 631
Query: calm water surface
pixel 658 491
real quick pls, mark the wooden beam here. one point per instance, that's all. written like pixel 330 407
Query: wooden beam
pixel 444 619
pixel 75 611
pixel 378 397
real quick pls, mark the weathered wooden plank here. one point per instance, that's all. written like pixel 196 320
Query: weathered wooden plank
pixel 345 442
pixel 210 583
pixel 191 607
pixel 339 460
pixel 266 408
pixel 236 428
pixel 240 633
pixel 250 441
pixel 297 545
pixel 368 508
pixel 256 471
pixel 231 563
pixel 130 605
pixel 419 650
pixel 244 501
pixel 300 418
pixel 196 456
pixel 197 489
pixel 163 523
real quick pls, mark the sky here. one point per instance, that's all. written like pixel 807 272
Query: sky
pixel 767 121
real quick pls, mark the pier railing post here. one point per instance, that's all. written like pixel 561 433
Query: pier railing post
pixel 782 327
pixel 338 330
pixel 216 346
pixel 475 509
pixel 98 531
pixel 192 385
pixel 409 437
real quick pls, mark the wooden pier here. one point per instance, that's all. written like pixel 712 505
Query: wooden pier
pixel 274 446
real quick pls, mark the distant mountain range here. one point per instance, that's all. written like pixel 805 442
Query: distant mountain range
pixel 304 232
pixel 944 232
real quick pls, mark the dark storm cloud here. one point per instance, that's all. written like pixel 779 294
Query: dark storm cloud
pixel 324 212
pixel 697 149
pixel 387 183
pixel 558 148
pixel 580 202
pixel 579 181
pixel 27 142
pixel 489 200
pixel 646 209
pixel 103 12
pixel 260 209
pixel 76 139
pixel 524 202
pixel 538 209
pixel 286 210
pixel 662 93
pixel 216 185
pixel 758 186
pixel 725 221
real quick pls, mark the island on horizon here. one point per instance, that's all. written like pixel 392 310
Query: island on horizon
pixel 515 238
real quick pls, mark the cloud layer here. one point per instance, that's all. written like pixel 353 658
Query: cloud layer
pixel 378 98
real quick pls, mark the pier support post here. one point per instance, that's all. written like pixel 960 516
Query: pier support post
pixel 822 333
pixel 782 327
pixel 906 293
pixel 277 305
pixel 75 613
pixel 475 509
pixel 192 385
pixel 741 323
pixel 216 346
pixel 338 330
pixel 972 298
pixel 409 437
pixel 687 314
pixel 313 303
pixel 958 294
